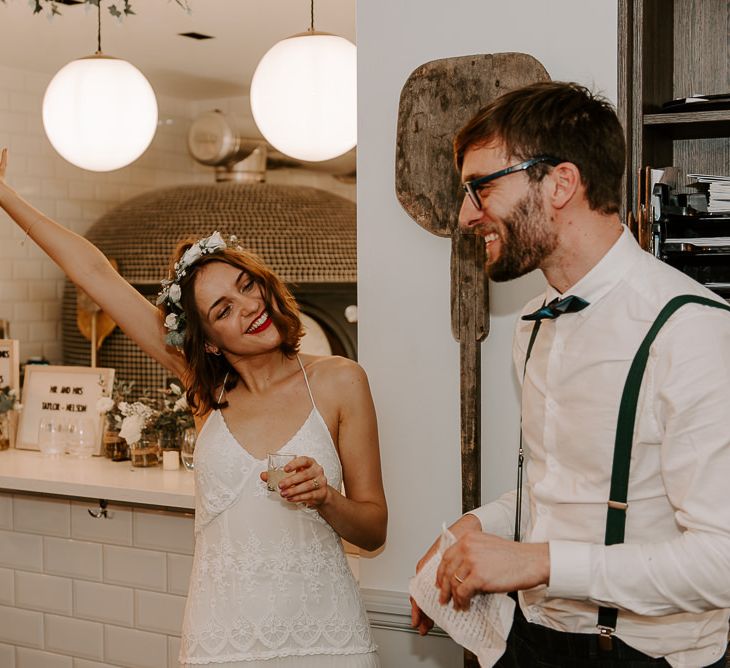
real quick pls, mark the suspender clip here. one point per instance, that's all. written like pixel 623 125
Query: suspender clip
pixel 618 505
pixel 605 641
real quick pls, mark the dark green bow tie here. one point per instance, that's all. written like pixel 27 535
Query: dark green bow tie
pixel 569 304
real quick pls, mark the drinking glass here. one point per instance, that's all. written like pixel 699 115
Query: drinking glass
pixel 187 448
pixel 81 438
pixel 277 462
pixel 52 436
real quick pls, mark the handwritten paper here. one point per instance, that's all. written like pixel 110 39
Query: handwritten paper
pixel 482 629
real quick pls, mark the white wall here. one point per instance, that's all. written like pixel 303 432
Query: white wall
pixel 404 332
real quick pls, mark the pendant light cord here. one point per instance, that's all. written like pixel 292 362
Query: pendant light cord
pixel 98 26
pixel 311 15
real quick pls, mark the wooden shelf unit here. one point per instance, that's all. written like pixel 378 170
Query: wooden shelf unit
pixel 671 49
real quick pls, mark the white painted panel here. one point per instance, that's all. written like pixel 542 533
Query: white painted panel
pixel 404 332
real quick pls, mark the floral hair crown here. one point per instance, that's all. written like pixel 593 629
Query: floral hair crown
pixel 171 292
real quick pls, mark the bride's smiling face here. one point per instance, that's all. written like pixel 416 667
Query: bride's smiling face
pixel 233 311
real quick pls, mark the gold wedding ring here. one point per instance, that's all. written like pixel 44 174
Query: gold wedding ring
pixel 458 579
pixel 315 482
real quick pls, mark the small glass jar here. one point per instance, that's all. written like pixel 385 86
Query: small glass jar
pixel 5 430
pixel 115 447
pixel 145 452
pixel 169 439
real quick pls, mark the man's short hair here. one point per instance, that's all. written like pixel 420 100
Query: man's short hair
pixel 564 120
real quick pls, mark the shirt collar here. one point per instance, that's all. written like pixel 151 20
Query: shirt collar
pixel 606 274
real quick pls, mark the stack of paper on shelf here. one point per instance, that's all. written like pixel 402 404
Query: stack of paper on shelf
pixel 718 191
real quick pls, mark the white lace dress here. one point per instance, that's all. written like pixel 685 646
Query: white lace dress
pixel 270 583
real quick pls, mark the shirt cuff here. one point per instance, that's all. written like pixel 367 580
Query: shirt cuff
pixel 570 567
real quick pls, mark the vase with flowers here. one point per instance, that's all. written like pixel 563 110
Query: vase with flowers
pixel 115 447
pixel 138 432
pixel 172 418
pixel 9 404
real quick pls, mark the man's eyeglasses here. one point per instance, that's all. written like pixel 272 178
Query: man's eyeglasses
pixel 473 187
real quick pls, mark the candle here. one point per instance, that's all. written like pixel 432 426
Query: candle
pixel 170 460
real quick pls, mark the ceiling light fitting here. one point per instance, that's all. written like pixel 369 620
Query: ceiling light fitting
pixel 100 112
pixel 304 95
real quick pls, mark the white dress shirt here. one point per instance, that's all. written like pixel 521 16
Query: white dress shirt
pixel 671 577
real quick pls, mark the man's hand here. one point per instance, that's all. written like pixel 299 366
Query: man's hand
pixel 419 619
pixel 483 563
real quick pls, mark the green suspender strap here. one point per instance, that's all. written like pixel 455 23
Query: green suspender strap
pixel 617 506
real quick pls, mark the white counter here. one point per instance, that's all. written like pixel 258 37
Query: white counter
pixel 95 478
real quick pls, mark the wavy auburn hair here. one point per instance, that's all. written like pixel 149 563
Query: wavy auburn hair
pixel 206 371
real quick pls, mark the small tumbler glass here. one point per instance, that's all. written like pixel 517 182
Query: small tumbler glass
pixel 277 462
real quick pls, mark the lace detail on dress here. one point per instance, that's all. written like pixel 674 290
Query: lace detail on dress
pixel 269 579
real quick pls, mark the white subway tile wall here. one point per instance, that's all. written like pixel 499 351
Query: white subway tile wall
pixel 87 602
pixel 30 286
pixel 86 527
pixel 7 656
pixel 7 587
pixel 33 658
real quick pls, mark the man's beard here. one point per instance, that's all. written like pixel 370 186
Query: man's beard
pixel 526 239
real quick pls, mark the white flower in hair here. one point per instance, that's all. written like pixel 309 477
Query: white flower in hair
pixel 174 293
pixel 171 291
pixel 171 321
pixel 214 242
pixel 191 255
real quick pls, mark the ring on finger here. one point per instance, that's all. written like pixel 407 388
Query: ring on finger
pixel 458 579
pixel 315 483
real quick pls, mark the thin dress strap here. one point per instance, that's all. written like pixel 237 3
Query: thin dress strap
pixel 306 380
pixel 223 389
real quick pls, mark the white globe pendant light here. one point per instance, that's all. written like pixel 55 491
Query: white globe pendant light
pixel 99 112
pixel 304 96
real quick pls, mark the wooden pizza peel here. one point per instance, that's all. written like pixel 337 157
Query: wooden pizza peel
pixel 93 323
pixel 438 98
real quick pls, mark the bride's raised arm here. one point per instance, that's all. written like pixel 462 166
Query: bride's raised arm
pixel 87 267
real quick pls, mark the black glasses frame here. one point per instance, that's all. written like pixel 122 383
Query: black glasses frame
pixel 473 186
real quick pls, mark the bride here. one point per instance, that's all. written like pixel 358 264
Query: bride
pixel 270 585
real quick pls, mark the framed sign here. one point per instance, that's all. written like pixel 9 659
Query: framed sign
pixel 64 393
pixel 9 364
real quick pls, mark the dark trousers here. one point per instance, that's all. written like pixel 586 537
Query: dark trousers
pixel 534 646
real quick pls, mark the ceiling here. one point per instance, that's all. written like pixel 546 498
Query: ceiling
pixel 243 31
